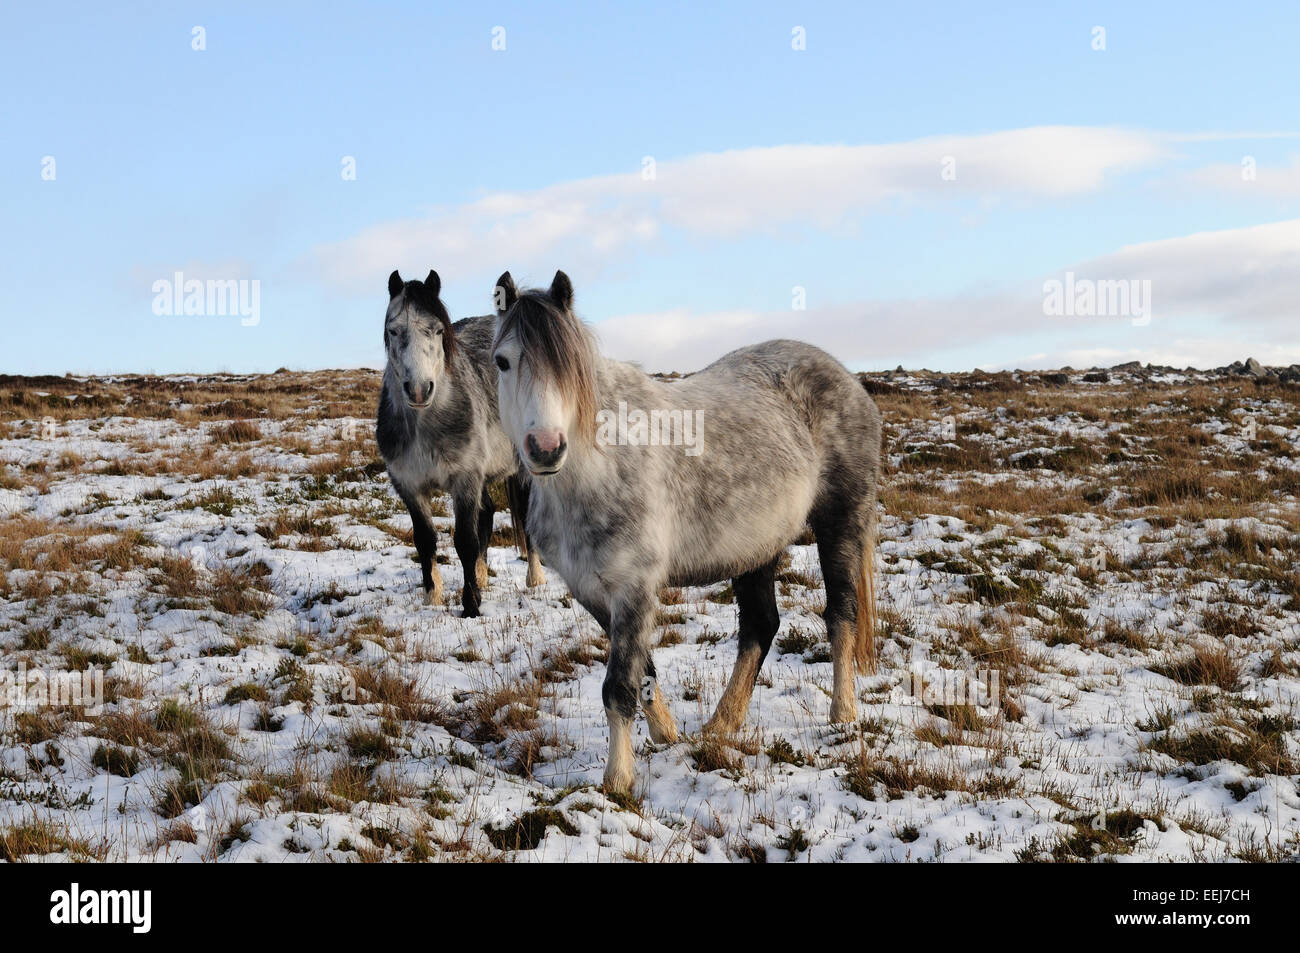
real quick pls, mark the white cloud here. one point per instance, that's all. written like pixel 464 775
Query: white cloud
pixel 1241 277
pixel 1251 180
pixel 1242 274
pixel 1245 279
pixel 741 192
pixel 872 333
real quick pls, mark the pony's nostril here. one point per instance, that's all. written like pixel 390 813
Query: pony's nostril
pixel 545 447
pixel 418 393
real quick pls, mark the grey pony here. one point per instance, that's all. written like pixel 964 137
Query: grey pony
pixel 789 440
pixel 438 430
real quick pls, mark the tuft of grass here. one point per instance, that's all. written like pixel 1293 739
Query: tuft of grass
pixel 219 501
pixel 36 638
pixel 1205 666
pixel 990 589
pixel 909 834
pixel 780 751
pixel 174 715
pixel 1220 622
pixel 869 774
pixel 793 842
pixel 796 642
pixel 239 590
pixel 1094 837
pixel 195 748
pixel 370 744
pixel 115 760
pixel 294 524
pixel 41 838
pixel 33 727
pixel 713 754
pixel 527 831
pixel 1258 743
pixel 237 431
pixel 1168 487
pixel 245 692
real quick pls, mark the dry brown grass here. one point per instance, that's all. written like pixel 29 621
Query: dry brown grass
pixel 1206 665
pixel 401 696
pixel 328 393
pixel 37 838
pixel 240 590
pixel 32 543
pixel 1258 742
pixel 287 523
pixel 1159 458
pixel 237 431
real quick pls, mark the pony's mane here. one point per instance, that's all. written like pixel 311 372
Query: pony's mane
pixel 418 294
pixel 558 348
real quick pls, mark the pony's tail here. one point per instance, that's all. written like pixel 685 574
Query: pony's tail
pixel 866 585
pixel 518 506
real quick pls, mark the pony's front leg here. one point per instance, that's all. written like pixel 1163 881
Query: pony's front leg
pixel 465 538
pixel 426 546
pixel 517 493
pixel 629 664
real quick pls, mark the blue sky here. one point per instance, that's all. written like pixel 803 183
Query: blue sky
pixel 775 168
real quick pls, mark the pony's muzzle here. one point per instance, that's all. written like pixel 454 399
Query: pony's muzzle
pixel 418 393
pixel 545 449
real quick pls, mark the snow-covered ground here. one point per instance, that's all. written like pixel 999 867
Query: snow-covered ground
pixel 1114 561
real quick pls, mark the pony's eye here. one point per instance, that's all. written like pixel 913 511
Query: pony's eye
pixel 502 363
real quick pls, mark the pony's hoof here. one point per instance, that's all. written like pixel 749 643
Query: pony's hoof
pixel 480 572
pixel 720 726
pixel 843 713
pixel 618 780
pixel 433 597
pixel 662 732
pixel 537 578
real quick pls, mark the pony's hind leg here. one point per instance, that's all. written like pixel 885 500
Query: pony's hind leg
pixel 487 509
pixel 759 620
pixel 840 549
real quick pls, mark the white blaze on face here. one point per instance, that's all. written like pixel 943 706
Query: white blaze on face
pixel 525 402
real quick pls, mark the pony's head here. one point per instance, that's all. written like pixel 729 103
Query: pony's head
pixel 546 383
pixel 417 337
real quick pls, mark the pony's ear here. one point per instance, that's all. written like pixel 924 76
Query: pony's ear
pixel 433 283
pixel 504 295
pixel 562 290
pixel 394 284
